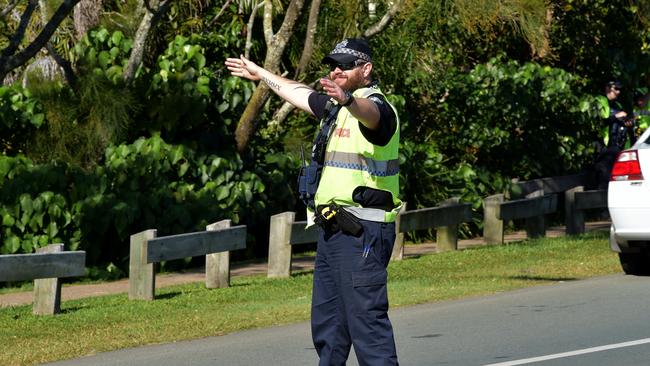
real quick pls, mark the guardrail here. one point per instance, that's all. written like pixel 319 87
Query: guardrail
pixel 532 209
pixel 45 267
pixel 541 198
pixel 285 232
pixel 576 202
pixel 445 218
pixel 215 243
pixel 557 184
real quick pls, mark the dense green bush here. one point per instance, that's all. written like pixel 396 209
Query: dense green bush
pixel 36 205
pixel 500 120
pixel 145 185
pixel 20 115
pixel 103 52
pixel 177 91
pixel 522 120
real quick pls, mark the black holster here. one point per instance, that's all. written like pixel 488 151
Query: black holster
pixel 333 217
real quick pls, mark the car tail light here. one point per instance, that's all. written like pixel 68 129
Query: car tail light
pixel 626 167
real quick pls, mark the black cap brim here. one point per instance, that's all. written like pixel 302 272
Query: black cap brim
pixel 342 58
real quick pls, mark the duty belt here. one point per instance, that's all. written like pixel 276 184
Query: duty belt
pixel 368 214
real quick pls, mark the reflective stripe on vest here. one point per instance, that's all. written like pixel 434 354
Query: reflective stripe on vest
pixel 379 168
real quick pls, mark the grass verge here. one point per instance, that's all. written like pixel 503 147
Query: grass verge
pixel 92 325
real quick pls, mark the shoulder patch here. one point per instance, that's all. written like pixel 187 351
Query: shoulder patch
pixel 376 99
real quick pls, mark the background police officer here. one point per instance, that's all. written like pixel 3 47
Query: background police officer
pixel 614 131
pixel 642 110
pixel 356 202
pixel 611 112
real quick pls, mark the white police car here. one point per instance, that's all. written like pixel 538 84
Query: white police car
pixel 628 200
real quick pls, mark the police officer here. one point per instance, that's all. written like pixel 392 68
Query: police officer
pixel 614 131
pixel 641 110
pixel 612 113
pixel 354 169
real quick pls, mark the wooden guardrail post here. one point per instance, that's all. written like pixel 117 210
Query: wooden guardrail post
pixel 492 225
pixel 45 267
pixel 574 218
pixel 147 249
pixel 444 218
pixel 142 281
pixel 583 200
pixel 398 246
pixel 217 265
pixel 536 225
pixel 280 245
pixel 447 236
pixel 47 291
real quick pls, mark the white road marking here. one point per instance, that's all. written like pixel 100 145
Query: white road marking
pixel 572 353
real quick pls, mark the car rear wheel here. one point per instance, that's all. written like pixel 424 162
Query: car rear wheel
pixel 635 263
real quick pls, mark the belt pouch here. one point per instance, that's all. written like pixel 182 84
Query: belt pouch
pixel 308 183
pixel 348 223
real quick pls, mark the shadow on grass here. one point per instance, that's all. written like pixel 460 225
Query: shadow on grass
pixel 72 309
pixel 415 256
pixel 168 295
pixel 302 273
pixel 543 278
pixel 238 284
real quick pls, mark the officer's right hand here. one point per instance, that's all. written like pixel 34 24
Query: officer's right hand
pixel 243 67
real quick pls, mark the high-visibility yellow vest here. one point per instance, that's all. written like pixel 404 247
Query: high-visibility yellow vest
pixel 643 120
pixel 352 161
pixel 603 112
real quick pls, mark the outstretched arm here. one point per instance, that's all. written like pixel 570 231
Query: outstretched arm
pixel 289 90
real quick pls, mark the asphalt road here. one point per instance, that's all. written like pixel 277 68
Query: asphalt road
pixel 596 322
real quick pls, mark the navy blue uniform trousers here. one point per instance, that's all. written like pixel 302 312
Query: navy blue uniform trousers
pixel 350 299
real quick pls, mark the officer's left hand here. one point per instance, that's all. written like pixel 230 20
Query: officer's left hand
pixel 333 90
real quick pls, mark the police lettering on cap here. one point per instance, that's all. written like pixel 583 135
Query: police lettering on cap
pixel 349 50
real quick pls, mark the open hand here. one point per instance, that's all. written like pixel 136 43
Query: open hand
pixel 333 90
pixel 242 67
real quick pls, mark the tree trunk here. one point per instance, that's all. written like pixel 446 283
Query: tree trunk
pixel 385 20
pixel 276 43
pixel 246 126
pixel 86 16
pixel 372 9
pixel 151 14
pixel 308 49
pixel 42 5
pixel 9 8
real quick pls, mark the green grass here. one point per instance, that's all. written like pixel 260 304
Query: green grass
pixel 92 325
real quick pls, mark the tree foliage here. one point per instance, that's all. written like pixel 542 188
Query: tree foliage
pixel 487 92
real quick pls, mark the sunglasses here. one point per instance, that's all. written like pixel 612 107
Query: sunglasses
pixel 346 66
